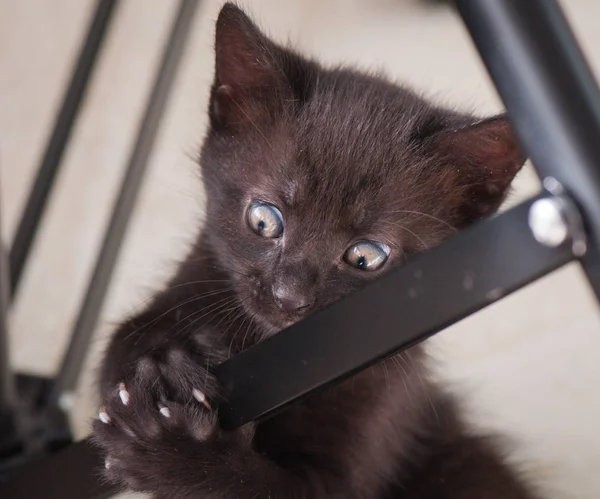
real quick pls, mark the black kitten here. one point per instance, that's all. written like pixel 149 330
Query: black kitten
pixel 317 181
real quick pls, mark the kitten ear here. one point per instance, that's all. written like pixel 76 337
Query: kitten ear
pixel 249 84
pixel 485 158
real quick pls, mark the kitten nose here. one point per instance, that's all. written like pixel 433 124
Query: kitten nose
pixel 288 298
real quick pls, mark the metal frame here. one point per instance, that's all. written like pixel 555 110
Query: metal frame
pixel 7 387
pixel 554 104
pixel 87 319
pixel 551 96
pixel 65 121
pixel 393 313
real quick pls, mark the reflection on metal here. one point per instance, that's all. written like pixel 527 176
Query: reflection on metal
pixel 555 219
pixel 548 222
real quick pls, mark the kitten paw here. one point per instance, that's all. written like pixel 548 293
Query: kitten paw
pixel 160 421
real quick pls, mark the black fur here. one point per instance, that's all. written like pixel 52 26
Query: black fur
pixel 345 157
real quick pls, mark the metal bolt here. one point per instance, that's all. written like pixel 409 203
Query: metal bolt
pixel 548 222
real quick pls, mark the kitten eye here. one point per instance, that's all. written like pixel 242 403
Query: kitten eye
pixel 265 219
pixel 367 255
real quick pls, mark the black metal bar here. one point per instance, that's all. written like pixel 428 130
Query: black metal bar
pixel 73 473
pixel 551 96
pixel 38 197
pixel 444 285
pixel 7 382
pixel 136 168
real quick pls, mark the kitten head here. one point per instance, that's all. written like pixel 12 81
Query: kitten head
pixel 319 180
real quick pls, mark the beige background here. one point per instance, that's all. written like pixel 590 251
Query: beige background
pixel 526 366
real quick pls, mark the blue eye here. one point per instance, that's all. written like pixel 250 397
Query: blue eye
pixel 367 255
pixel 265 219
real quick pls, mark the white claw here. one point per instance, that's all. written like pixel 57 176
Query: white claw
pixel 103 416
pixel 123 394
pixel 107 464
pixel 200 397
pixel 165 412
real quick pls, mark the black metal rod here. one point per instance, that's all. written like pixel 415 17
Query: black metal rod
pixel 7 380
pixel 442 286
pixel 44 181
pixel 136 168
pixel 551 96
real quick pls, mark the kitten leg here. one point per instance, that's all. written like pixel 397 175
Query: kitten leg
pixel 176 449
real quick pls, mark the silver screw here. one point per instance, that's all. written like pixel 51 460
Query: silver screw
pixel 548 222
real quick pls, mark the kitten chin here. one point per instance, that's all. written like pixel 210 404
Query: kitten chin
pixel 318 181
